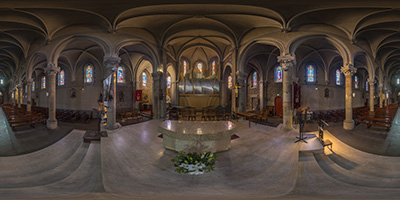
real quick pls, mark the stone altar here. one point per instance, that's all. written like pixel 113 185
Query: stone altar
pixel 197 136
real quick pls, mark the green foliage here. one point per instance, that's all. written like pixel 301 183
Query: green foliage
pixel 194 163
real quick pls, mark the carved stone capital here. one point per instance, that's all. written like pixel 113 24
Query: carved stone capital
pixel 348 70
pixel 327 82
pixel 52 69
pixel 286 61
pixel 157 75
pixel 371 81
pixel 241 76
pixel 29 81
pixel 111 62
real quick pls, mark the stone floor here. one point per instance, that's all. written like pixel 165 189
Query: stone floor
pixel 263 163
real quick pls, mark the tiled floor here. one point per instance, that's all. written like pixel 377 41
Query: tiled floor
pixel 133 164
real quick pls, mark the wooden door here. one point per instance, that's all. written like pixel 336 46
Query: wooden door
pixel 278 106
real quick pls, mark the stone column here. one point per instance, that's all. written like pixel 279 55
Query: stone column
pixel 111 64
pixel 381 96
pixel 156 93
pixel 241 80
pixel 13 97
pixel 348 72
pixel 386 97
pixel 19 95
pixel 51 72
pixel 371 83
pixel 262 94
pixel 29 95
pixel 174 93
pixel 287 62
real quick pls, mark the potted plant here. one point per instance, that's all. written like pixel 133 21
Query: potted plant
pixel 194 163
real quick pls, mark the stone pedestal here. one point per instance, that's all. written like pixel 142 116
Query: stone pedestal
pixel 287 63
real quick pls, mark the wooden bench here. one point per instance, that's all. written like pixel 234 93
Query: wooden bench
pixel 374 121
pixel 25 120
pixel 326 143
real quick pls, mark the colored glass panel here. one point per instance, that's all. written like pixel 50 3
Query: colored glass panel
pixel 213 68
pixel 200 68
pixel 254 79
pixel 366 86
pixel 169 82
pixel 398 81
pixel 43 82
pixel 355 82
pixel 184 67
pixel 33 86
pixel 310 74
pixel 61 78
pixel 278 74
pixel 120 75
pixel 229 82
pixel 89 74
pixel 144 79
pixel 337 77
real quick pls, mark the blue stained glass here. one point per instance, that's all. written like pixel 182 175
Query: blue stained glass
pixel 169 82
pixel 254 79
pixel 144 78
pixel 337 77
pixel 310 74
pixel 355 82
pixel 89 74
pixel 43 82
pixel 278 74
pixel 120 75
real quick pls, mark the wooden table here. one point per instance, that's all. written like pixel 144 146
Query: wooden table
pixel 246 115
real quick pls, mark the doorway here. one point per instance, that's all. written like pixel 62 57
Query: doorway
pixel 278 106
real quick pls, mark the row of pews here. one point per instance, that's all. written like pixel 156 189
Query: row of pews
pixel 18 117
pixel 330 115
pixel 382 117
pixel 72 116
pixel 206 113
pixel 126 117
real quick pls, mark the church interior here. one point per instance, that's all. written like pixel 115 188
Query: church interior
pixel 308 92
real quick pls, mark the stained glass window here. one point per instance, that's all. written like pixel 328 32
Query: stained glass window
pixel 61 78
pixel 229 82
pixel 366 86
pixel 356 82
pixel 89 74
pixel 184 67
pixel 398 81
pixel 278 74
pixel 254 79
pixel 169 82
pixel 33 86
pixel 144 79
pixel 337 77
pixel 213 67
pixel 1 81
pixel 43 82
pixel 199 68
pixel 120 75
pixel 310 74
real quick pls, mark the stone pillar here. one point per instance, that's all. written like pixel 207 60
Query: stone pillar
pixel 174 93
pixel 156 93
pixel 287 62
pixel 29 95
pixel 19 86
pixel 13 99
pixel 381 96
pixel 371 83
pixel 111 64
pixel 262 87
pixel 241 80
pixel 348 72
pixel 51 72
pixel 386 97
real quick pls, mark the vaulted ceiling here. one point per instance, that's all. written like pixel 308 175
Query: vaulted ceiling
pixel 26 25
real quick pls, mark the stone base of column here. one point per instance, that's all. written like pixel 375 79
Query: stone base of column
pixel 287 127
pixel 371 113
pixel 52 124
pixel 348 125
pixel 112 126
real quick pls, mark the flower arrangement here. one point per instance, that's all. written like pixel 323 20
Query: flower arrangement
pixel 194 163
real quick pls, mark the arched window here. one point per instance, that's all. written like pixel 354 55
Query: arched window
pixel 254 82
pixel 398 81
pixel 33 86
pixel 199 68
pixel 184 67
pixel 88 74
pixel 311 74
pixel 278 74
pixel 230 82
pixel 144 79
pixel 44 82
pixel 355 82
pixel 1 81
pixel 366 86
pixel 61 78
pixel 213 68
pixel 120 75
pixel 338 77
pixel 169 82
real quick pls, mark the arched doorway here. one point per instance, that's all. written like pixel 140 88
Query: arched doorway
pixel 278 106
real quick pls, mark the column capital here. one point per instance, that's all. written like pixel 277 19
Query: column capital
pixel 371 81
pixel 241 75
pixel 348 70
pixel 19 86
pixel 327 82
pixel 111 62
pixel 286 61
pixel 52 69
pixel 29 81
pixel 157 75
